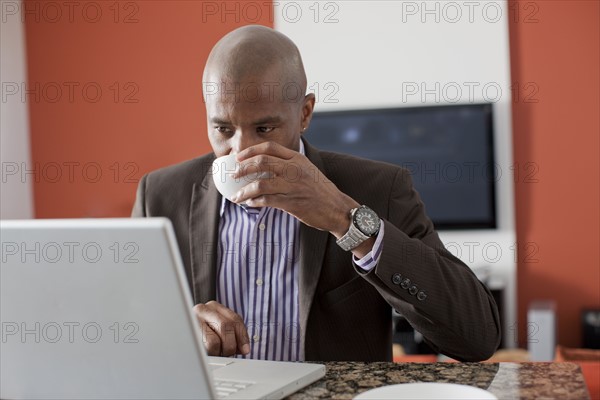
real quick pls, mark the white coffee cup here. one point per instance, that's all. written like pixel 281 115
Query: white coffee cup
pixel 223 169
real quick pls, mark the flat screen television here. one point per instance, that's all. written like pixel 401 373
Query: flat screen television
pixel 448 149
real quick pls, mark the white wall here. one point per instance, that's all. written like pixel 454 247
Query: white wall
pixel 380 54
pixel 378 47
pixel 16 199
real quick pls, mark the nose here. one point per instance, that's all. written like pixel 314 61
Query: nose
pixel 242 140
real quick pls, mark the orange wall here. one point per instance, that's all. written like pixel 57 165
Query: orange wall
pixel 169 43
pixel 155 52
pixel 560 134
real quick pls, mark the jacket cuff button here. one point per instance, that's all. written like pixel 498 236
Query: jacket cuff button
pixel 396 279
pixel 405 284
pixel 413 290
pixel 421 295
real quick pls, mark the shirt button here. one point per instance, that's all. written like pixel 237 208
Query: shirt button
pixel 256 338
pixel 259 282
pixel 262 227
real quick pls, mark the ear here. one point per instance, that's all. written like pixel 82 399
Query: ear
pixel 308 106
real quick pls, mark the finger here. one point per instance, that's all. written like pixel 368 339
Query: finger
pixel 208 313
pixel 229 343
pixel 268 148
pixel 227 328
pixel 267 200
pixel 232 331
pixel 261 187
pixel 260 163
pixel 211 339
pixel 279 201
pixel 241 338
pixel 213 325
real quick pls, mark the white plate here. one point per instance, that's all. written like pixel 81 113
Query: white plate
pixel 426 391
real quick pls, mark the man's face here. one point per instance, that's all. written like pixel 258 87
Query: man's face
pixel 249 113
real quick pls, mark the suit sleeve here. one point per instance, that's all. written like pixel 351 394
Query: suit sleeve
pixel 437 293
pixel 139 207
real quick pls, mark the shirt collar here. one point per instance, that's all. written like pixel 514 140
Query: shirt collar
pixel 225 202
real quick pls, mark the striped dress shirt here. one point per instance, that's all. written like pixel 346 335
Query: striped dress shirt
pixel 258 259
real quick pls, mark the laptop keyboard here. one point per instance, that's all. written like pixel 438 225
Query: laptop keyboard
pixel 227 388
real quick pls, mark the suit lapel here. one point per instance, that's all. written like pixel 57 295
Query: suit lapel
pixel 204 226
pixel 313 243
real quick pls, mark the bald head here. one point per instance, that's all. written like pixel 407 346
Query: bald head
pixel 255 91
pixel 251 53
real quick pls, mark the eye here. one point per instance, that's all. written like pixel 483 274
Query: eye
pixel 224 130
pixel 265 129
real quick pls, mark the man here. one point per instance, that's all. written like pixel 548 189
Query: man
pixel 307 263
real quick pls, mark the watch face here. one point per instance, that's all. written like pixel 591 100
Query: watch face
pixel 367 221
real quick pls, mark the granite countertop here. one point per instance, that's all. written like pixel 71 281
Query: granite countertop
pixel 344 380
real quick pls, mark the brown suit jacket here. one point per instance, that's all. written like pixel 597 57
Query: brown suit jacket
pixel 344 314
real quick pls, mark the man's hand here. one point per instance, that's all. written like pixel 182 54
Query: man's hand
pixel 223 330
pixel 296 186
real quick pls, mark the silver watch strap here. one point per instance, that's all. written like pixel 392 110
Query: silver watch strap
pixel 352 238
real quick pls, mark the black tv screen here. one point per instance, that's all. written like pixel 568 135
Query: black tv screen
pixel 448 150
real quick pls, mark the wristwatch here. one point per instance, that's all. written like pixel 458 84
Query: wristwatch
pixel 364 224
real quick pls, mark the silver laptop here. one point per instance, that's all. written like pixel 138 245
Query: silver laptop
pixel 100 308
